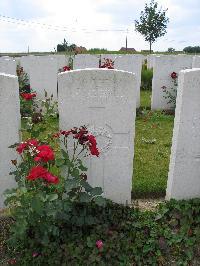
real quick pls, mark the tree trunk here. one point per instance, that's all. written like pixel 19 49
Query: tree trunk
pixel 150 47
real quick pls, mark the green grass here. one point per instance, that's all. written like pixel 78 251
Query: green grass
pixel 152 151
pixel 145 99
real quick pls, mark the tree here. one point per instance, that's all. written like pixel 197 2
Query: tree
pixel 152 23
pixel 65 47
pixel 192 49
pixel 171 50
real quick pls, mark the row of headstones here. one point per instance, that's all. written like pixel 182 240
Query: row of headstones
pixel 42 70
pixel 96 98
pixel 163 66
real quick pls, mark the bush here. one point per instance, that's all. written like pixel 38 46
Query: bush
pixel 146 78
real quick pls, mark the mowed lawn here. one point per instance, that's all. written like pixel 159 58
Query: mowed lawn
pixel 153 139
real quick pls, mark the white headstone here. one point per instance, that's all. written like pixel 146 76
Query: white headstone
pixel 9 128
pixel 26 62
pixel 184 169
pixel 150 60
pixel 62 60
pixel 43 76
pixel 8 66
pixel 82 61
pixel 105 101
pixel 162 69
pixel 196 62
pixel 131 63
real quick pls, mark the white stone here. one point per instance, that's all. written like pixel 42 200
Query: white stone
pixel 162 69
pixel 8 65
pixel 9 128
pixel 82 61
pixel 130 63
pixel 43 76
pixel 25 62
pixel 62 60
pixel 184 169
pixel 105 101
pixel 150 60
pixel 196 62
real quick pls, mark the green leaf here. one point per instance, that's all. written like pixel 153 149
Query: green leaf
pixel 71 183
pixel 96 191
pixel 86 186
pixel 75 172
pixel 81 166
pixel 37 205
pixel 65 155
pixel 100 201
pixel 52 197
pixel 90 243
pixel 84 197
pixel 60 162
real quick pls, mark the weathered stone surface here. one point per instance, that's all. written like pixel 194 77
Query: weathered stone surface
pixel 130 63
pixel 7 65
pixel 43 76
pixel 105 101
pixel 9 128
pixel 184 169
pixel 162 69
pixel 196 62
pixel 82 61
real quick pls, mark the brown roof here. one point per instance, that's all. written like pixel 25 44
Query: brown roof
pixel 128 49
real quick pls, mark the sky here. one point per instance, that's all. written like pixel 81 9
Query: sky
pixel 42 24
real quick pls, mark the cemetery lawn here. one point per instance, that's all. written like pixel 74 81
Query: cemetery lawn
pixel 145 99
pixel 153 140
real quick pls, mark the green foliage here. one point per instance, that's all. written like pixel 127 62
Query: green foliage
pixel 171 94
pixel 192 49
pixel 146 78
pixel 65 47
pixel 130 237
pixel 171 50
pixel 152 23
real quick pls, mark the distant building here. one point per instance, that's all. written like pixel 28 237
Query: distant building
pixel 124 49
pixel 80 49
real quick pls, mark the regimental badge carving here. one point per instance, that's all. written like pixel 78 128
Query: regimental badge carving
pixel 103 136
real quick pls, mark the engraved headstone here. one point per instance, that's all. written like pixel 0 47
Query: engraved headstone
pixel 105 101
pixel 9 128
pixel 184 169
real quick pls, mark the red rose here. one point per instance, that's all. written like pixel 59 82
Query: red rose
pixel 28 96
pixel 66 68
pixel 99 244
pixel 24 145
pixel 37 172
pixel 174 75
pixel 93 145
pixel 45 154
pixel 40 172
pixel 51 178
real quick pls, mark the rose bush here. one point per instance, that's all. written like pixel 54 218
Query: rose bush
pixel 170 94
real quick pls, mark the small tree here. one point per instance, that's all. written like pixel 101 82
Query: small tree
pixel 171 50
pixel 152 23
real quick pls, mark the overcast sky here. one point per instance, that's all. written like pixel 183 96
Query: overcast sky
pixel 92 23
